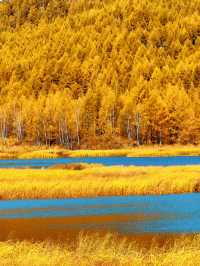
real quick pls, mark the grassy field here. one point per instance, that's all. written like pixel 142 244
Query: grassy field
pixel 100 251
pixel 31 152
pixel 97 181
pixel 140 151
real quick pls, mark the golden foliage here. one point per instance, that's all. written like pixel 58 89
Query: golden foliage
pixel 100 73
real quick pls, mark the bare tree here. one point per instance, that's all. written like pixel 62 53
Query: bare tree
pixel 128 128
pixel 64 135
pixel 138 124
pixel 19 125
pixel 77 121
pixel 3 124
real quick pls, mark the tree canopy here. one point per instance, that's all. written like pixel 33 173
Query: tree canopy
pixel 100 72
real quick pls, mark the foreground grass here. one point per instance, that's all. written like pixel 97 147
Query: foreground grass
pixel 32 152
pixel 100 251
pixel 97 181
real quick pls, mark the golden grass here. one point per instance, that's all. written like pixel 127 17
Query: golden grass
pixel 31 152
pixel 100 153
pixel 35 152
pixel 75 166
pixel 140 151
pixel 97 181
pixel 165 151
pixel 7 155
pixel 100 251
pixel 41 154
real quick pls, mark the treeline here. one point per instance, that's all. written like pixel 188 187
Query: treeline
pixel 96 72
pixel 102 119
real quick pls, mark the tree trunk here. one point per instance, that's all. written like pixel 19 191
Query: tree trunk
pixel 128 129
pixel 138 121
pixel 77 120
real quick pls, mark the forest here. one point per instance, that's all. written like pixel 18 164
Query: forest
pixel 100 73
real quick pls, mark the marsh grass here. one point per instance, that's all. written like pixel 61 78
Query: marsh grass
pixel 41 154
pixel 97 181
pixel 7 155
pixel 75 166
pixel 100 153
pixel 35 152
pixel 100 251
pixel 140 151
pixel 165 151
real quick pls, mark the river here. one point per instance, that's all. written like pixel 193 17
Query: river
pixel 108 161
pixel 124 215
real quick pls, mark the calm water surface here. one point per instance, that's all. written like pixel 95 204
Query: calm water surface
pixel 109 161
pixel 124 215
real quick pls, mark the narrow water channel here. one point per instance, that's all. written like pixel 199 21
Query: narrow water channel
pixel 109 161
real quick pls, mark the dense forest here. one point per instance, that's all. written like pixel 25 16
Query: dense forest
pixel 100 73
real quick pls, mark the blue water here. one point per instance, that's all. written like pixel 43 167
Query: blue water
pixel 138 161
pixel 159 214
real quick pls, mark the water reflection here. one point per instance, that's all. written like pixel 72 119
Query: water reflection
pixel 125 215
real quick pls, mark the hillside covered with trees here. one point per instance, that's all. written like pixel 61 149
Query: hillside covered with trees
pixel 100 73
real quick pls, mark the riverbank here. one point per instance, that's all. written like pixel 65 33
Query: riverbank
pixel 97 181
pixel 104 251
pixel 30 152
